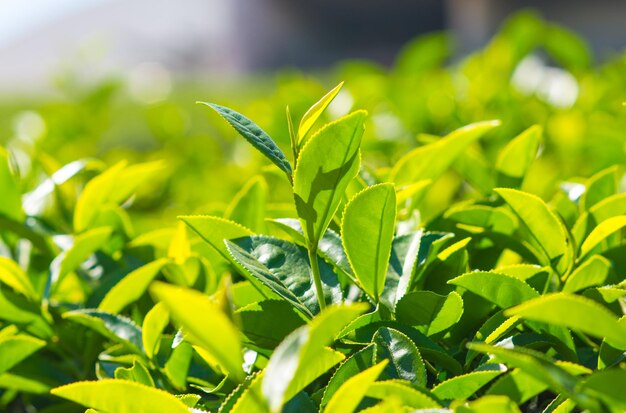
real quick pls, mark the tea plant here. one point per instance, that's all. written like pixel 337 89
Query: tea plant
pixel 349 302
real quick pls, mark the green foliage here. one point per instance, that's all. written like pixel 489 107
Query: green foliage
pixel 475 269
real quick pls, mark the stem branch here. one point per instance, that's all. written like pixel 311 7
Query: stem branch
pixel 317 279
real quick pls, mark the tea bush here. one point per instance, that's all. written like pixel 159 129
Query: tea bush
pixel 357 271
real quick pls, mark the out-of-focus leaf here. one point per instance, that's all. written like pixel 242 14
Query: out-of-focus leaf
pixel 515 159
pixel 137 373
pixel 248 206
pixel 200 318
pixel 600 233
pixel 15 348
pixel 131 287
pixel 12 275
pixel 153 325
pixel 215 230
pixel 589 274
pixel 430 161
pixel 543 226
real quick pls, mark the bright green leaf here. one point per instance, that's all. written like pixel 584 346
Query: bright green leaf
pixel 543 225
pixel 315 111
pixel 430 161
pixel 575 312
pixel 130 397
pixel 350 394
pixel 131 287
pixel 200 318
pixel 327 163
pixel 515 159
pixel 367 232
pixel 429 312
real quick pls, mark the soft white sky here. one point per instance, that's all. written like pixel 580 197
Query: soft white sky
pixel 21 16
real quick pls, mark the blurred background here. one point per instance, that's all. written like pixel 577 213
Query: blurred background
pixel 114 80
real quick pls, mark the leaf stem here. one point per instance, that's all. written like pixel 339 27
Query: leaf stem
pixel 317 279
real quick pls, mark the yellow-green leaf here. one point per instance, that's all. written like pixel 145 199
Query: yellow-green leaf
pixel 543 226
pixel 430 161
pixel 367 232
pixel 201 319
pixel 575 312
pixel 120 396
pixel 350 394
pixel 328 162
pixel 315 112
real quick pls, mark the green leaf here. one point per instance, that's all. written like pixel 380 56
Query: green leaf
pixel 330 246
pixel 84 245
pixel 153 325
pixel 215 230
pixel 402 391
pixel 408 251
pixel 259 326
pixel 114 327
pixel 349 395
pixel 515 159
pixel 130 397
pixel 302 356
pixel 489 404
pixel 253 134
pixel 23 384
pixel 358 362
pixel 608 385
pixel 432 160
pixel 464 386
pixel 575 312
pixel 367 232
pixel 12 275
pixel 558 378
pixel 483 217
pixel 544 227
pixel 284 268
pixel 314 112
pixel 177 366
pixel 137 373
pixel 600 233
pixel 429 312
pixel 200 318
pixel 517 386
pixel 590 273
pixel 503 290
pixel 327 163
pixel 248 206
pixel 599 187
pixel 251 398
pixel 406 360
pixel 131 287
pixel 109 189
pixel 11 205
pixel 15 348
